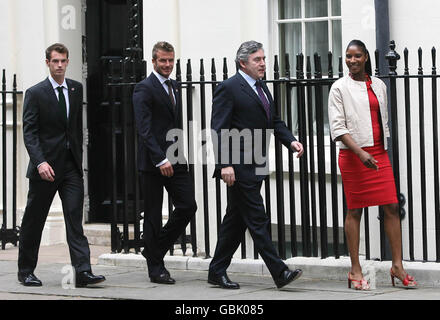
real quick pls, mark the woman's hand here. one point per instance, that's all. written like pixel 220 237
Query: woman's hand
pixel 368 160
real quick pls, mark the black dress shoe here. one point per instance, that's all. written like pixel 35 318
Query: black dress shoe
pixel 163 278
pixel 29 280
pixel 223 281
pixel 82 279
pixel 287 277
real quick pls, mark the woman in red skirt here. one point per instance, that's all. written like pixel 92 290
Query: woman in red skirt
pixel 357 111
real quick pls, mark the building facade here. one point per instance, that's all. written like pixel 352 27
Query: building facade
pixel 205 29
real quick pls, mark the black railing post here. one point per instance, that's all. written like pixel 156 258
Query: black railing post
pixel 14 153
pixel 436 155
pixel 180 107
pixel 190 118
pixel 321 159
pixel 334 177
pixel 204 158
pixel 344 204
pixel 422 156
pixel 279 172
pixel 392 58
pixel 302 133
pixel 4 148
pixel 218 200
pixel 409 170
pixel 292 212
pixel 116 245
pixel 311 117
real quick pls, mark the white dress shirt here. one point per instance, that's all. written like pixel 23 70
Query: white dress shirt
pixel 252 82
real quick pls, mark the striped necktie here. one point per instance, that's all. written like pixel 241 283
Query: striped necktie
pixel 263 98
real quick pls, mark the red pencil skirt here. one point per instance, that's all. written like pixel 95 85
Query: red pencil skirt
pixel 365 187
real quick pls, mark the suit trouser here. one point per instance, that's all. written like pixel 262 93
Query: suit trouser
pixel 245 209
pixel 158 240
pixel 41 193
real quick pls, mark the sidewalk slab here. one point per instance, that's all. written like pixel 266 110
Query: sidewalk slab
pixel 377 272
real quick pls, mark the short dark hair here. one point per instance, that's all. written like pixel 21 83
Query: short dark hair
pixel 363 47
pixel 162 45
pixel 58 47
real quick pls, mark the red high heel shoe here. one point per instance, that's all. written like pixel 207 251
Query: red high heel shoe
pixel 358 284
pixel 408 282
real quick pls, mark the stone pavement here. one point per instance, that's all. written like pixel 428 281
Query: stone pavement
pixel 130 281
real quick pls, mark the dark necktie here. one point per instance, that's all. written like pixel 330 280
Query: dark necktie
pixel 170 93
pixel 62 102
pixel 263 98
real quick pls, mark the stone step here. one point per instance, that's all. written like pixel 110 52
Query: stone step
pixel 100 234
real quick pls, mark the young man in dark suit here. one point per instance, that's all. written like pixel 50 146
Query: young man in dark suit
pixel 156 102
pixel 52 131
pixel 243 104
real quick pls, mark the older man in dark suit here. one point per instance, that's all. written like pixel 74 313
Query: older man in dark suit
pixel 52 130
pixel 243 104
pixel 156 108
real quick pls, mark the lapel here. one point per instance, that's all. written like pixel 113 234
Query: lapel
pixel 163 94
pixel 53 100
pixel 250 92
pixel 72 92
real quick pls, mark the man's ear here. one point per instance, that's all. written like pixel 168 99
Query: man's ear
pixel 242 64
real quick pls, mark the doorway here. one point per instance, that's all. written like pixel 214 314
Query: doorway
pixel 106 39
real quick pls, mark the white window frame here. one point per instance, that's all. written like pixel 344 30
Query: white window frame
pixel 274 11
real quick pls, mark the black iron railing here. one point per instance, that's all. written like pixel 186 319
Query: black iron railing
pixel 317 210
pixel 9 231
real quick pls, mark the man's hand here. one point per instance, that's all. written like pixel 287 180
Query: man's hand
pixel 46 172
pixel 228 176
pixel 298 147
pixel 167 169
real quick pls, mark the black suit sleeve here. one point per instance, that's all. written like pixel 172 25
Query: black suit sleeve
pixel 143 109
pixel 282 132
pixel 31 128
pixel 222 110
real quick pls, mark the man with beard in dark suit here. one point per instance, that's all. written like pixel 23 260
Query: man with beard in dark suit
pixel 156 102
pixel 52 131
pixel 243 104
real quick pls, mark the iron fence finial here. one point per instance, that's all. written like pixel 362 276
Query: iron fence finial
pixel 392 58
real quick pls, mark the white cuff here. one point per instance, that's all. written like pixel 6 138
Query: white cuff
pixel 161 163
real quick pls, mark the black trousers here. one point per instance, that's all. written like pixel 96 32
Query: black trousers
pixel 245 209
pixel 158 240
pixel 41 193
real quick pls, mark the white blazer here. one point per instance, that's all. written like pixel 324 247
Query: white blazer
pixel 349 110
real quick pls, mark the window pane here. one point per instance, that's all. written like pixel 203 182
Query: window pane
pixel 291 43
pixel 289 9
pixel 316 8
pixel 337 45
pixel 336 7
pixel 317 41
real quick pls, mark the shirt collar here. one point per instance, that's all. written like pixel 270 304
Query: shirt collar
pixel 248 78
pixel 55 84
pixel 161 78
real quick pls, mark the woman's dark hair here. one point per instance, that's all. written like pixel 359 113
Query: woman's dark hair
pixel 361 45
